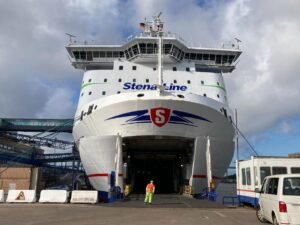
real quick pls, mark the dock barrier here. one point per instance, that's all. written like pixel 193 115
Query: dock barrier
pixel 21 196
pixel 54 196
pixel 1 196
pixel 84 197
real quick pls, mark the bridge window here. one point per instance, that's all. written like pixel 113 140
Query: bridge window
pixel 167 48
pixel 224 59
pixel 102 54
pixel 120 67
pixel 96 54
pixel 109 54
pixel 218 59
pixel 82 55
pixel 121 54
pixel 89 56
pixel 133 67
pixel 187 56
pixel 230 58
pixel 193 55
pixel 135 50
pixel 212 57
pixel 205 56
pixel 76 55
pixel 199 56
pixel 116 54
pixel 142 48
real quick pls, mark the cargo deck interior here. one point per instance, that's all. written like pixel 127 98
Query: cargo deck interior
pixel 157 158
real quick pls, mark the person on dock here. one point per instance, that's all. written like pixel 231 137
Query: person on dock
pixel 150 189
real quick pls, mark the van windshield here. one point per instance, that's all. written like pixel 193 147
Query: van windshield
pixel 291 186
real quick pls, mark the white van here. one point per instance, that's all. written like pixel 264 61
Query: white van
pixel 279 200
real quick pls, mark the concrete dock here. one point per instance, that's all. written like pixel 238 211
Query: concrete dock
pixel 166 209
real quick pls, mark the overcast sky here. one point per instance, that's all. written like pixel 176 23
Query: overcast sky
pixel 37 79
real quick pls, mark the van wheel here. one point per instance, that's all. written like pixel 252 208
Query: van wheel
pixel 260 215
pixel 275 222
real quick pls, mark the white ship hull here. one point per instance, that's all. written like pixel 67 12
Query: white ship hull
pixel 118 117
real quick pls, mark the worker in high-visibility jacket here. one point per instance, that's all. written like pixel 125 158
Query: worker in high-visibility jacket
pixel 150 189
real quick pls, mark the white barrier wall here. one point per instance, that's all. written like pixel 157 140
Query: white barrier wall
pixel 54 196
pixel 21 196
pixel 84 197
pixel 1 196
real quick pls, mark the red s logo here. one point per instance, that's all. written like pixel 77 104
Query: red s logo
pixel 160 116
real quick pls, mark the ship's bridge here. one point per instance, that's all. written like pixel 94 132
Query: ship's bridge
pixel 144 49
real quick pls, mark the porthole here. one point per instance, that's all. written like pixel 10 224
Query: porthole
pixel 202 82
pixel 174 68
pixel 82 93
pixel 180 96
pixel 188 81
pixel 218 96
pixel 90 80
pixel 218 83
pixel 175 81
pixel 133 80
pixel 133 67
pixel 187 69
pixel 147 80
pixel 103 92
pixel 90 93
pixel 118 92
pixel 204 95
pixel 154 69
pixel 120 80
pixel 105 80
pixel 120 67
pixel 140 95
pixel 95 107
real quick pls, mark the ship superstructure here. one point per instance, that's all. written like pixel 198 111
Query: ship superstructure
pixel 147 108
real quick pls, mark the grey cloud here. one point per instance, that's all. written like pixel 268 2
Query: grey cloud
pixel 36 73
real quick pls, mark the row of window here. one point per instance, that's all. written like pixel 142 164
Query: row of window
pixel 147 81
pixel 151 48
pixel 264 171
pixel 118 92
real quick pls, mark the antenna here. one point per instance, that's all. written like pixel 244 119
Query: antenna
pixel 70 37
pixel 238 41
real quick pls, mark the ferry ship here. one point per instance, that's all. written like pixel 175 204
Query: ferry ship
pixel 150 108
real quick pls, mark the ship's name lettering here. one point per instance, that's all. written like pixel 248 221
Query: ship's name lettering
pixel 170 87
